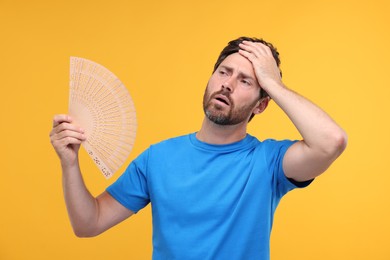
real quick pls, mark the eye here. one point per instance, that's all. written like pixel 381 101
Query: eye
pixel 246 82
pixel 222 72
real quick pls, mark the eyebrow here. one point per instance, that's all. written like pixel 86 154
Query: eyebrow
pixel 244 75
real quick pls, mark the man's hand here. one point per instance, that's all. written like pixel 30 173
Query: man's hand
pixel 264 64
pixel 323 140
pixel 66 139
pixel 89 216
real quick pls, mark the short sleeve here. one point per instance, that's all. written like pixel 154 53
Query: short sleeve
pixel 131 189
pixel 275 154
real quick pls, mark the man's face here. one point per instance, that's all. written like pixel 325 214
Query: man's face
pixel 232 93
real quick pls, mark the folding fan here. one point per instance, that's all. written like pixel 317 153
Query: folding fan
pixel 102 106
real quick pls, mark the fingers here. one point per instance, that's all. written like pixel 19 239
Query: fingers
pixel 263 62
pixel 66 138
pixel 64 129
pixel 250 56
pixel 255 51
pixel 63 122
pixel 60 145
pixel 58 119
pixel 258 49
pixel 69 132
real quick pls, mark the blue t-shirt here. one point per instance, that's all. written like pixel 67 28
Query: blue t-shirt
pixel 208 201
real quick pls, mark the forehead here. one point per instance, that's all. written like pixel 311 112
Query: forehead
pixel 239 63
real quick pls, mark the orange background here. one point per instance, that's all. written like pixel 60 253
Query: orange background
pixel 334 52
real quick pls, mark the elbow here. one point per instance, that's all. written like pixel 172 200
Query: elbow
pixel 337 143
pixel 341 141
pixel 84 233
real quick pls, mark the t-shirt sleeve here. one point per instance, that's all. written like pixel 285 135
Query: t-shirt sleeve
pixel 131 189
pixel 275 154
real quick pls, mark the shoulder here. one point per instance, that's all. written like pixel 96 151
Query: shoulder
pixel 270 143
pixel 272 148
pixel 273 143
pixel 170 145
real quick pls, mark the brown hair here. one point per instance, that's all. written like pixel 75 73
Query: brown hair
pixel 233 47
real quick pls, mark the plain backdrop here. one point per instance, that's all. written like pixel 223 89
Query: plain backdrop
pixel 336 53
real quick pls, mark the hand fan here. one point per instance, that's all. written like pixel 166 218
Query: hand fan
pixel 102 106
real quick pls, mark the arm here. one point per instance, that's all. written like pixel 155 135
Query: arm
pixel 323 140
pixel 89 216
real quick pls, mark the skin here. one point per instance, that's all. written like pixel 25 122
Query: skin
pixel 89 216
pixel 323 140
pixel 235 77
pixel 216 97
pixel 237 80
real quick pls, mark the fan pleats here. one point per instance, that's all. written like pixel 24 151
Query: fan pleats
pixel 101 104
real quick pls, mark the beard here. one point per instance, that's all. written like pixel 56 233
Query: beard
pixel 223 115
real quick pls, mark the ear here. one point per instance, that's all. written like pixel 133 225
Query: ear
pixel 261 106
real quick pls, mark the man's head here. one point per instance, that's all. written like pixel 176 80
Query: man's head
pixel 233 94
pixel 233 47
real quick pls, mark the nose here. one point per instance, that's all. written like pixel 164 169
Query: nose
pixel 228 85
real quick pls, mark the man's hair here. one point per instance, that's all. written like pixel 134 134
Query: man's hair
pixel 233 47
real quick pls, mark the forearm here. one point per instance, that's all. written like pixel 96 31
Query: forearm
pixel 89 216
pixel 81 205
pixel 317 128
pixel 323 140
pixel 320 133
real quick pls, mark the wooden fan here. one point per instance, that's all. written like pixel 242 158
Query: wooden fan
pixel 101 104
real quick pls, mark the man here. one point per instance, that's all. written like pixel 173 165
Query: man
pixel 214 192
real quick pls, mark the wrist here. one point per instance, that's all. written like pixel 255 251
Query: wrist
pixel 272 86
pixel 69 166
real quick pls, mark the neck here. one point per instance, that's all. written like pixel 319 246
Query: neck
pixel 213 133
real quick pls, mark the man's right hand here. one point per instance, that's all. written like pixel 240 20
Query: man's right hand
pixel 66 139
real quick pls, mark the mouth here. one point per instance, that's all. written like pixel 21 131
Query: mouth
pixel 222 99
